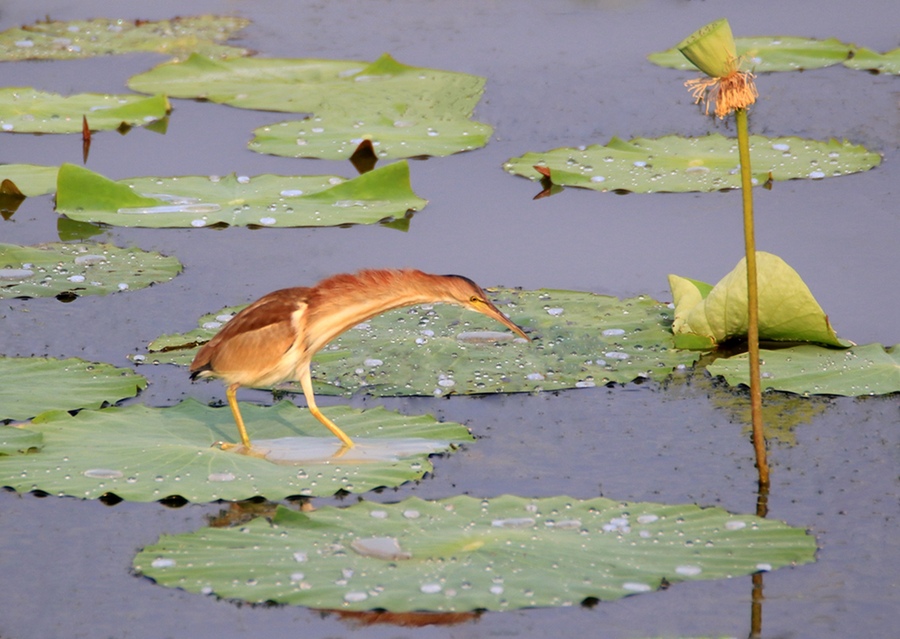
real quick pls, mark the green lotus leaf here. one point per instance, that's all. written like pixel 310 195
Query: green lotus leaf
pixel 406 111
pixel 70 270
pixel 706 317
pixel 25 110
pixel 771 53
pixel 15 440
pixel 678 164
pixel 400 135
pixel 582 340
pixel 178 37
pixel 146 454
pixel 870 369
pixel 869 60
pixel 33 385
pixel 31 179
pixel 263 200
pixel 463 553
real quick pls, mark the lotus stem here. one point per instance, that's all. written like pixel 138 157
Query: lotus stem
pixel 759 438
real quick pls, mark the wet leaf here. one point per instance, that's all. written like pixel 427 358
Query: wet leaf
pixel 707 316
pixel 16 441
pixel 72 270
pixel 869 60
pixel 581 340
pixel 406 111
pixel 262 200
pixel 25 110
pixel 33 385
pixel 178 37
pixel 677 164
pixel 31 179
pixel 463 553
pixel 762 54
pixel 146 454
pixel 870 369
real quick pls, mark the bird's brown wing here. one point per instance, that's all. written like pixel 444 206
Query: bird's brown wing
pixel 255 339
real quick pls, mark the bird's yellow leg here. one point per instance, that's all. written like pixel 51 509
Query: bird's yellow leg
pixel 306 385
pixel 231 394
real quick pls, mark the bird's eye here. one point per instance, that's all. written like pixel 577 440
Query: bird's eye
pixel 474 299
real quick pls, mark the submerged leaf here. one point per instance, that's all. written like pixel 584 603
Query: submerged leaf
pixel 870 369
pixel 262 200
pixel 678 164
pixel 580 340
pixel 706 317
pixel 25 110
pixel 67 271
pixel 463 553
pixel 33 385
pixel 146 454
pixel 762 54
pixel 85 38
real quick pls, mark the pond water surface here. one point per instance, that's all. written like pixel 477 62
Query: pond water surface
pixel 559 73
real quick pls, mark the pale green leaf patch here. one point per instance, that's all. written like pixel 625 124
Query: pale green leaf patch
pixel 31 179
pixel 15 440
pixel 870 369
pixel 579 340
pixel 678 164
pixel 869 60
pixel 708 316
pixel 464 554
pixel 763 54
pixel 264 200
pixel 33 385
pixel 146 454
pixel 179 37
pixel 71 270
pixel 26 110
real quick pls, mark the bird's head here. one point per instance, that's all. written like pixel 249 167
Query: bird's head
pixel 468 294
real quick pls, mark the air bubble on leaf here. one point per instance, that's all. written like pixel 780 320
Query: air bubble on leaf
pixel 268 221
pixel 103 473
pixel 355 596
pixel 513 522
pixel 292 193
pixel 163 562
pixel 609 332
pixel 243 179
pixel 635 586
pixel 221 477
pixel 431 588
pixel 735 524
pixel 387 548
pixel 15 273
pixel 688 571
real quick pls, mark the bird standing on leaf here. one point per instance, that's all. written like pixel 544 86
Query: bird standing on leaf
pixel 274 339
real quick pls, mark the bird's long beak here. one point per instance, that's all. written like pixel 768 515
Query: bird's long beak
pixel 492 311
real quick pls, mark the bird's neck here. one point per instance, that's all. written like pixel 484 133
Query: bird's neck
pixel 342 302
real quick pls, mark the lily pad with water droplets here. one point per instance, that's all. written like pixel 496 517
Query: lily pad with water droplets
pixel 580 340
pixel 406 111
pixel 33 385
pixel 678 164
pixel 146 454
pixel 263 200
pixel 706 316
pixel 462 553
pixel 763 54
pixel 870 369
pixel 869 60
pixel 25 110
pixel 31 179
pixel 179 37
pixel 16 441
pixel 67 271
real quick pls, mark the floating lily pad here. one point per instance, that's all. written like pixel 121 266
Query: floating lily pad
pixel 33 385
pixel 30 179
pixel 146 454
pixel 67 271
pixel 463 553
pixel 178 37
pixel 581 340
pixel 16 441
pixel 869 60
pixel 771 53
pixel 870 369
pixel 262 200
pixel 336 137
pixel 678 164
pixel 706 316
pixel 25 110
pixel 406 111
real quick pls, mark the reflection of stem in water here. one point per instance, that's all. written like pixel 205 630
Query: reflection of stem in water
pixel 756 595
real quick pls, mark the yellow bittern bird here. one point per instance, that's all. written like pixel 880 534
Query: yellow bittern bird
pixel 274 339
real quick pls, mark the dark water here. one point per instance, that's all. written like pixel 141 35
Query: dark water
pixel 559 74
